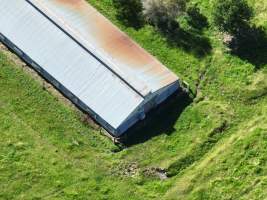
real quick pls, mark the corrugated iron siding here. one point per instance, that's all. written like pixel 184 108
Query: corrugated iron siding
pixel 67 62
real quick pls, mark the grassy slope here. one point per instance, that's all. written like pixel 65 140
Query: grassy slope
pixel 47 152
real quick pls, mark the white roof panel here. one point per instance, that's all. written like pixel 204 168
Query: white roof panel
pixel 70 64
pixel 141 70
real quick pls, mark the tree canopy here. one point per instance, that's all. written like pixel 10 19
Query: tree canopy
pixel 231 15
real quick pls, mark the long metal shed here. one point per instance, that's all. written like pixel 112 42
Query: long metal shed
pixel 87 58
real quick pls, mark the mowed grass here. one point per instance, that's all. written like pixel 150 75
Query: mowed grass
pixel 214 149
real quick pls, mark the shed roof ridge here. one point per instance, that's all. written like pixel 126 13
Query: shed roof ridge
pixel 85 47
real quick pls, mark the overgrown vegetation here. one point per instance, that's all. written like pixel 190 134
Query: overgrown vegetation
pixel 130 12
pixel 212 148
pixel 163 14
pixel 231 16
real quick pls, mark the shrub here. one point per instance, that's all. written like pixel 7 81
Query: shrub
pixel 231 16
pixel 195 18
pixel 130 12
pixel 163 13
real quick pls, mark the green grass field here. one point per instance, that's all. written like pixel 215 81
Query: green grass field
pixel 215 148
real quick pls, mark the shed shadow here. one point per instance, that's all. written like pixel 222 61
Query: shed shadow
pixel 159 121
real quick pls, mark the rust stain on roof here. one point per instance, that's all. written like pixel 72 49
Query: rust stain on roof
pixel 70 2
pixel 123 50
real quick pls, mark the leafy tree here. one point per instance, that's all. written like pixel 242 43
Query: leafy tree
pixel 231 16
pixel 195 18
pixel 130 12
pixel 163 14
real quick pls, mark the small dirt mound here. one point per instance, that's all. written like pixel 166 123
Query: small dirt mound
pixel 156 172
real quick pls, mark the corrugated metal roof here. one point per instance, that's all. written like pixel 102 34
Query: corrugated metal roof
pixel 67 62
pixel 88 55
pixel 140 69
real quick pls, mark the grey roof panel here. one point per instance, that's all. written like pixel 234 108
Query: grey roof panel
pixel 141 70
pixel 91 58
pixel 67 62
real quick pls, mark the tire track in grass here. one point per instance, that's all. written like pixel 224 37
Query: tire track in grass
pixel 183 184
pixel 199 151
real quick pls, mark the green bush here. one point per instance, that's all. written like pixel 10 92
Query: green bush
pixel 231 16
pixel 130 12
pixel 195 18
pixel 163 14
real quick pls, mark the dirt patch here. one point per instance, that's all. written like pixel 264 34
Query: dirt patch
pixel 220 129
pixel 128 169
pixel 156 172
pixel 227 38
pixel 87 120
